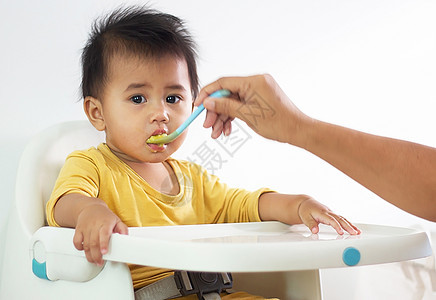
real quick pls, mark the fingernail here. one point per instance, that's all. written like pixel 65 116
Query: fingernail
pixel 227 133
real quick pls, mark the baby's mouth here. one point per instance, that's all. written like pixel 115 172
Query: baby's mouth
pixel 157 147
pixel 153 138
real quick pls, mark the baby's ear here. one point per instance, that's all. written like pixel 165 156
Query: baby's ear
pixel 94 112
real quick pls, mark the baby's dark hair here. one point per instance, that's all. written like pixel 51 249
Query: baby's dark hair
pixel 137 31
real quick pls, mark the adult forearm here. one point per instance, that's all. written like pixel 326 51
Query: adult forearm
pixel 403 173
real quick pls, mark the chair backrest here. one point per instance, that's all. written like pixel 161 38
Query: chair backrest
pixel 37 172
pixel 40 165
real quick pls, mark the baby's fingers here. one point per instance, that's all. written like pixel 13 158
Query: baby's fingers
pixel 93 248
pixel 347 225
pixel 83 241
pixel 78 240
pixel 105 235
pixel 311 223
pixel 339 223
pixel 326 219
pixel 121 228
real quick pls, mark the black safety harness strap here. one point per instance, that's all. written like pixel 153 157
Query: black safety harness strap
pixel 206 285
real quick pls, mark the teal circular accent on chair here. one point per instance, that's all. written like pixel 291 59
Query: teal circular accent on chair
pixel 351 256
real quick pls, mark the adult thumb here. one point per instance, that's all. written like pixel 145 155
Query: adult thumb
pixel 224 106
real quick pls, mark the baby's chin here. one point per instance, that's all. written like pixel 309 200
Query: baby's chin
pixel 159 156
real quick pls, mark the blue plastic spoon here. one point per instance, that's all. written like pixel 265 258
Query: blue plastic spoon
pixel 166 138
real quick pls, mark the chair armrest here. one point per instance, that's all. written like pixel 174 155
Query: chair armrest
pixel 54 256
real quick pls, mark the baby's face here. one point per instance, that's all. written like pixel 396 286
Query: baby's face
pixel 142 98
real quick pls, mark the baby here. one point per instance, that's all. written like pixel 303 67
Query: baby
pixel 139 80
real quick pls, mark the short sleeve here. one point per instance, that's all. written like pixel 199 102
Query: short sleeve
pixel 78 175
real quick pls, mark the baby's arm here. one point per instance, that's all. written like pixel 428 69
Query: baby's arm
pixel 94 223
pixel 297 209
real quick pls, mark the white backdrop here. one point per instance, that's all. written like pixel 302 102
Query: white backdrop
pixel 369 65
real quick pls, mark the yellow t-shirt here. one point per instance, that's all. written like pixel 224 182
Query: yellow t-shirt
pixel 202 199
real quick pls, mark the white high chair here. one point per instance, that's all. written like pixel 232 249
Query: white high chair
pixel 269 258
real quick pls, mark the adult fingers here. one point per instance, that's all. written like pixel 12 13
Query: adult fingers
pixel 228 107
pixel 227 127
pixel 210 88
pixel 217 128
pixel 238 86
pixel 211 118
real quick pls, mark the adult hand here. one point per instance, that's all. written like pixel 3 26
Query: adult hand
pixel 258 101
pixel 401 172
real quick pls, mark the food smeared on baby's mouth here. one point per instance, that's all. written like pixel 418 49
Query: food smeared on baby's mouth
pixel 154 140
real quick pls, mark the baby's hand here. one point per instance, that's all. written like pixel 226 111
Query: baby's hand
pixel 95 225
pixel 312 213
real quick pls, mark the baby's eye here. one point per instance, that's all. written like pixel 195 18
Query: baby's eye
pixel 173 99
pixel 138 99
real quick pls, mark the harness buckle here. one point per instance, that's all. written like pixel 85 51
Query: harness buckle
pixel 201 283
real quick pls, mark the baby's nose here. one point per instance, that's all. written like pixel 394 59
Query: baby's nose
pixel 159 114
